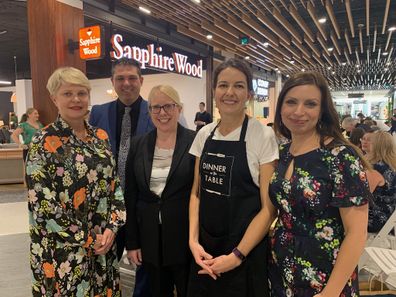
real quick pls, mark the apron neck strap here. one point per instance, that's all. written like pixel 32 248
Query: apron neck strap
pixel 243 130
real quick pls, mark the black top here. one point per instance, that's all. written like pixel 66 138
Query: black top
pixel 134 118
pixel 204 117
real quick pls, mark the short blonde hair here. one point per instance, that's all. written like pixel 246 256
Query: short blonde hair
pixel 168 91
pixel 68 75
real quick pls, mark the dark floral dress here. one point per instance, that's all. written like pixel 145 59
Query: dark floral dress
pixel 73 193
pixel 309 230
pixel 384 198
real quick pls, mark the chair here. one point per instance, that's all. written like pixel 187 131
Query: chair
pixel 385 238
pixel 385 270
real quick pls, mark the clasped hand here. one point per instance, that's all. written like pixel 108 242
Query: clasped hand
pixel 213 266
pixel 104 242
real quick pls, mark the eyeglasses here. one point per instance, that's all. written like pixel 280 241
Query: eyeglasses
pixel 168 108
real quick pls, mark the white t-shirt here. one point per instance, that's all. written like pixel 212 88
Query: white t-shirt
pixel 261 145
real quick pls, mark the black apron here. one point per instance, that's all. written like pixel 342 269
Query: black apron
pixel 229 200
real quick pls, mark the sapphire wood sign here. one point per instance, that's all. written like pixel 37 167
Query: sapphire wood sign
pixel 151 57
pixel 90 41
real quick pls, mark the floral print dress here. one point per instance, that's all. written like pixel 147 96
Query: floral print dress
pixel 73 194
pixel 309 230
pixel 384 203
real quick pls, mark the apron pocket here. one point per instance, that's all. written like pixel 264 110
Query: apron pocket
pixel 214 245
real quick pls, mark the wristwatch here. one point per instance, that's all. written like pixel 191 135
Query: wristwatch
pixel 238 254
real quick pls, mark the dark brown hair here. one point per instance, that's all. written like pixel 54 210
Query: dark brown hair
pixel 126 62
pixel 237 64
pixel 328 124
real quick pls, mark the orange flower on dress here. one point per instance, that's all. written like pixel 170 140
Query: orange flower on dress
pixel 112 185
pixel 88 242
pixel 49 270
pixel 79 197
pixel 52 143
pixel 109 292
pixel 101 134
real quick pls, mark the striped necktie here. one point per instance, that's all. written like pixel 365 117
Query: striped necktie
pixel 125 138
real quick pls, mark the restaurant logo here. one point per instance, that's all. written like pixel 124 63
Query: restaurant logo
pixel 151 57
pixel 90 41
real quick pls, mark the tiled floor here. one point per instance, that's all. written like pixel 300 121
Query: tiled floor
pixel 14 246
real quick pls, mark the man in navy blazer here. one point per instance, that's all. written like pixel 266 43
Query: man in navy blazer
pixel 127 81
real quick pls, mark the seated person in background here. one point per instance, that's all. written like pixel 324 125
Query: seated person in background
pixel 5 136
pixel 356 136
pixel 348 124
pixel 382 156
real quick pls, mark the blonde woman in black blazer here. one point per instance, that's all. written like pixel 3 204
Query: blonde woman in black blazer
pixel 158 181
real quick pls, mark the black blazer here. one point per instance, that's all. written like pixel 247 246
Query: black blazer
pixel 143 206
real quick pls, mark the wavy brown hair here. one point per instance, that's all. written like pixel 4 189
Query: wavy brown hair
pixel 328 124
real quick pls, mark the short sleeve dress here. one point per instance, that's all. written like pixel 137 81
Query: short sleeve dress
pixel 309 230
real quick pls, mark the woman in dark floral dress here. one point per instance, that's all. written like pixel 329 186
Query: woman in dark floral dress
pixel 382 156
pixel 75 202
pixel 320 191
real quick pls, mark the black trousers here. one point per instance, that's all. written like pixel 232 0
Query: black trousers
pixel 164 279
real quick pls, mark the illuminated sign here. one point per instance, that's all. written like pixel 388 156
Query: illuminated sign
pixel 90 41
pixel 151 57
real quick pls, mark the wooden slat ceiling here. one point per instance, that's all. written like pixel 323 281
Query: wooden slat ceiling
pixel 354 48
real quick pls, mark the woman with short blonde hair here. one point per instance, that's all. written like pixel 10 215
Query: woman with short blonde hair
pixel 76 204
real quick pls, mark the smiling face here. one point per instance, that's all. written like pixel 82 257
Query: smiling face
pixel 34 116
pixel 166 119
pixel 301 108
pixel 231 92
pixel 72 101
pixel 127 83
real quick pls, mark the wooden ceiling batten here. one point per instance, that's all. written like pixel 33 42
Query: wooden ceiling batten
pixel 385 16
pixel 265 20
pixel 367 17
pixel 299 20
pixel 330 12
pixel 292 30
pixel 278 16
pixel 350 17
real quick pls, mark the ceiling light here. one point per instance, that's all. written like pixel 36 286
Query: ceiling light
pixel 357 66
pixel 387 64
pixel 3 32
pixel 287 75
pixel 209 36
pixel 385 53
pixel 278 71
pixel 386 69
pixel 292 61
pixel 330 49
pixel 393 28
pixel 276 68
pixel 247 58
pixel 322 20
pixel 329 67
pixel 266 44
pixel 333 72
pixel 302 69
pixel 145 10
pixel 3 82
pixel 343 64
pixel 197 1
pixel 358 71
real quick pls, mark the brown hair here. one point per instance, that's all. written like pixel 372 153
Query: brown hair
pixel 328 123
pixel 237 64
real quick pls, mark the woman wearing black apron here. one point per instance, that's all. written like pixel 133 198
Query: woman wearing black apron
pixel 228 204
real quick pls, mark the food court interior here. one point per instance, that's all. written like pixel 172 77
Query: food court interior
pixel 352 43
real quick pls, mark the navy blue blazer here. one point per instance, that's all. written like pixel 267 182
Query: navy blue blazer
pixel 104 116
